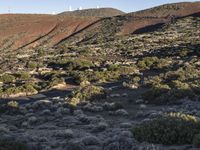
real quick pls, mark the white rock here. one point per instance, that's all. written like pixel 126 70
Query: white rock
pixel 114 95
pixel 3 130
pixel 32 120
pixel 46 112
pixel 68 133
pixel 122 112
pixel 127 134
pixel 101 126
pixel 143 106
pixel 25 124
pixel 126 125
pixel 139 101
pixel 78 112
pixel 124 94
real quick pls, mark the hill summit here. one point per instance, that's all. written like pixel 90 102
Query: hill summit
pixel 94 12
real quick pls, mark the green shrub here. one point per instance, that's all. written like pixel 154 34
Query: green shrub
pixel 79 64
pixel 185 73
pixel 32 65
pixel 87 93
pixel 55 81
pixel 113 73
pixel 196 141
pixel 72 64
pixel 179 85
pixel 12 90
pixel 184 52
pixel 11 145
pixel 6 78
pixel 167 130
pixel 28 88
pixel 13 104
pixel 147 62
pixel 41 52
pixel 153 63
pixel 95 76
pixel 153 81
pixel 162 63
pixel 165 95
pixel 23 76
pixel 157 95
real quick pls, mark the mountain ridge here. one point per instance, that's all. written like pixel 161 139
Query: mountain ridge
pixel 31 31
pixel 94 12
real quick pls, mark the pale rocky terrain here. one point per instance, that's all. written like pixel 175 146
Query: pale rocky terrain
pixel 50 124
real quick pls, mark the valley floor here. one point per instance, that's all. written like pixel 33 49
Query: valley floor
pixel 49 124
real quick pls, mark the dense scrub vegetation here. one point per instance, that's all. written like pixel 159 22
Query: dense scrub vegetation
pixel 168 130
pixel 11 145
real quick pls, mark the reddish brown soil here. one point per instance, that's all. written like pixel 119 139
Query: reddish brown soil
pixel 23 30
pixel 157 15
pixel 32 30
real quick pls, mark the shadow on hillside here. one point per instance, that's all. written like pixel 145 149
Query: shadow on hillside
pixel 162 96
pixel 192 50
pixel 150 28
pixel 40 96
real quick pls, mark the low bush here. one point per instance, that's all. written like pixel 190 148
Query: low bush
pixel 32 65
pixel 154 63
pixel 11 145
pixel 113 73
pixel 165 95
pixel 23 76
pixel 55 81
pixel 6 78
pixel 147 62
pixel 87 93
pixel 72 64
pixel 26 88
pixel 183 116
pixel 196 141
pixel 13 104
pixel 184 52
pixel 167 130
pixel 156 95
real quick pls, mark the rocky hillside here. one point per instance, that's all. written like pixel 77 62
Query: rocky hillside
pixel 33 31
pixel 142 21
pixel 27 31
pixel 105 91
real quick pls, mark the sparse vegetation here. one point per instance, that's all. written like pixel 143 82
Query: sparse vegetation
pixel 104 75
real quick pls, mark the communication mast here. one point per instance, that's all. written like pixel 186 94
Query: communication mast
pixel 80 8
pixel 70 8
pixel 9 10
